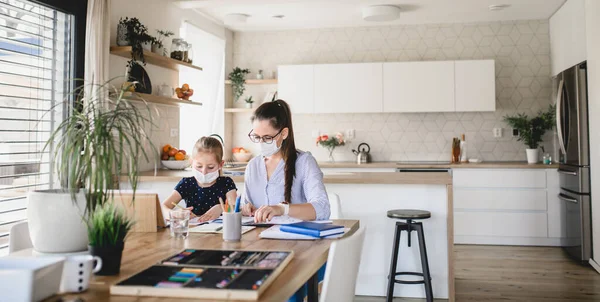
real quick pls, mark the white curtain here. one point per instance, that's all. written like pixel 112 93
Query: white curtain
pixel 208 85
pixel 97 42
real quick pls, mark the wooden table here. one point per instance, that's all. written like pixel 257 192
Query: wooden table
pixel 145 249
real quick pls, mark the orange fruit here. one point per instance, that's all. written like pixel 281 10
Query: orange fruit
pixel 165 156
pixel 182 151
pixel 179 156
pixel 173 151
pixel 166 148
pixel 185 87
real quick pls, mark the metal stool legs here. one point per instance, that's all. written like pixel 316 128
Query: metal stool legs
pixel 409 226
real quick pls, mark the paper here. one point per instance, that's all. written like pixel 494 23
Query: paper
pixel 216 228
pixel 275 233
pixel 275 220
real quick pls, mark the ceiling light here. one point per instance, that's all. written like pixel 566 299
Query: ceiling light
pixel 278 16
pixel 497 7
pixel 380 13
pixel 235 18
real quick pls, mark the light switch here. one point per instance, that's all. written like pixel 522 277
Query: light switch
pixel 350 133
pixel 174 132
pixel 497 132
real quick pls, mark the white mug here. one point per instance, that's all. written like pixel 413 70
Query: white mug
pixel 77 271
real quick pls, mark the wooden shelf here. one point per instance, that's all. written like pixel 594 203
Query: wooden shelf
pixel 163 100
pixel 256 82
pixel 152 58
pixel 239 110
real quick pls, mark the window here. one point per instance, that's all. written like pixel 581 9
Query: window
pixel 36 72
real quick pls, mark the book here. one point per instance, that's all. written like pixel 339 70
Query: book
pixel 275 233
pixel 312 229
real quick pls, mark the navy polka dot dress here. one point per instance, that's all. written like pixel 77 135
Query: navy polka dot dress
pixel 202 199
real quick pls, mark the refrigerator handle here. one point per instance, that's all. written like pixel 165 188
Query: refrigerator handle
pixel 567 172
pixel 567 198
pixel 559 100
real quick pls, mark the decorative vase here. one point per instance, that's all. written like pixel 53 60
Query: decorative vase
pixel 259 75
pixel 532 156
pixel 248 105
pixel 122 35
pixel 56 221
pixel 147 46
pixel 157 49
pixel 111 258
pixel 331 159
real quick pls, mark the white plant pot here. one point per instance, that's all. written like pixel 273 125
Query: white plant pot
pixel 56 222
pixel 248 105
pixel 533 156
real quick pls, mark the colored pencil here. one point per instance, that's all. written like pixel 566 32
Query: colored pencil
pixel 237 204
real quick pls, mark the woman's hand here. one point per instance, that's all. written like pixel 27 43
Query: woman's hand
pixel 265 213
pixel 248 209
pixel 211 214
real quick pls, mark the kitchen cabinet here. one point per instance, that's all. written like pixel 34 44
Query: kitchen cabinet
pixel 508 206
pixel 418 86
pixel 348 88
pixel 296 86
pixel 567 36
pixel 475 85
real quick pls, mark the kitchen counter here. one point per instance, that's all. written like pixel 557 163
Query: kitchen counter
pixel 441 178
pixel 390 164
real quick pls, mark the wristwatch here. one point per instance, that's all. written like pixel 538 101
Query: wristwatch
pixel 286 208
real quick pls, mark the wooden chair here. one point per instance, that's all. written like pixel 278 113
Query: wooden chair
pixel 18 237
pixel 342 267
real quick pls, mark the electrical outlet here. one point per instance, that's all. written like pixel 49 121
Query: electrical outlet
pixel 515 132
pixel 497 132
pixel 315 133
pixel 350 133
pixel 174 132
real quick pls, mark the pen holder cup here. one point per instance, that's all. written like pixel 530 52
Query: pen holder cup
pixel 232 226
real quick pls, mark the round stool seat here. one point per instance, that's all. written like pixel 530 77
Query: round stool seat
pixel 408 214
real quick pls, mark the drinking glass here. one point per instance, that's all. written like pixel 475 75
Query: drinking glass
pixel 180 220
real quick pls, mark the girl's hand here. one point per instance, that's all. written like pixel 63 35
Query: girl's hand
pixel 265 213
pixel 211 214
pixel 191 212
pixel 248 209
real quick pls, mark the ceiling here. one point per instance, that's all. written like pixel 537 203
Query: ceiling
pixel 302 14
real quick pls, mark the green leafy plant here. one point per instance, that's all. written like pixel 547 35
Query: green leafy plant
pixel 162 34
pixel 531 130
pixel 137 35
pixel 103 137
pixel 238 81
pixel 108 226
pixel 249 100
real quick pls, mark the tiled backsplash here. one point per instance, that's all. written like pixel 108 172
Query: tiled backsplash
pixel 521 50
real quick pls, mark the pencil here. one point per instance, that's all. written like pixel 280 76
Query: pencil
pixel 177 205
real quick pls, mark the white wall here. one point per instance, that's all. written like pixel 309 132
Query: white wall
pixel 162 14
pixel 592 17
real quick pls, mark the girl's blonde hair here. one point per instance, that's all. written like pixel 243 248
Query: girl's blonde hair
pixel 209 144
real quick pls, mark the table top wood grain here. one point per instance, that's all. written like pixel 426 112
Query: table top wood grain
pixel 145 249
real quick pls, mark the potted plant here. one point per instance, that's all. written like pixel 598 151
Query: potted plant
pixel 331 142
pixel 531 130
pixel 238 81
pixel 103 137
pixel 249 102
pixel 107 228
pixel 157 42
pixel 136 36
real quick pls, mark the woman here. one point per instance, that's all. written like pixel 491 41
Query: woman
pixel 283 180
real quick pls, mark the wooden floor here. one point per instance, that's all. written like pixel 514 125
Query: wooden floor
pixel 515 273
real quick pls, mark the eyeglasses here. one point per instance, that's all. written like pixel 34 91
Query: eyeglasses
pixel 267 139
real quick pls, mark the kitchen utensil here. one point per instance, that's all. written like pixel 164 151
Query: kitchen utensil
pixel 362 156
pixel 166 90
pixel 77 272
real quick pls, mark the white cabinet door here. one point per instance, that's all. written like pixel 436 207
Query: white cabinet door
pixel 296 86
pixel 348 88
pixel 567 36
pixel 475 88
pixel 418 86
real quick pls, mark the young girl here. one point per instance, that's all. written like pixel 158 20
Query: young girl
pixel 201 192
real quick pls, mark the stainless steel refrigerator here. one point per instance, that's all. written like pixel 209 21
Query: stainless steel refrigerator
pixel 574 171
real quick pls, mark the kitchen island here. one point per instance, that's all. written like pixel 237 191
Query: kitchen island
pixel 367 196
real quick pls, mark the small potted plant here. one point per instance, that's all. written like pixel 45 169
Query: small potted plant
pixel 238 81
pixel 331 142
pixel 249 102
pixel 136 36
pixel 531 130
pixel 157 42
pixel 107 228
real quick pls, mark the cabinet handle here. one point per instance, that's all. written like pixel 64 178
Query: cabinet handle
pixel 567 172
pixel 567 198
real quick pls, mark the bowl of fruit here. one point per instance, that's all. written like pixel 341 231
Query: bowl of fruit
pixel 241 155
pixel 185 92
pixel 174 159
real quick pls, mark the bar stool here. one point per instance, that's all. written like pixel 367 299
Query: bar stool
pixel 409 226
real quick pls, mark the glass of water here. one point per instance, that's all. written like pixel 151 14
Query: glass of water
pixel 179 220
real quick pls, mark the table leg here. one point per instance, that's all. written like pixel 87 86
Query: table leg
pixel 313 288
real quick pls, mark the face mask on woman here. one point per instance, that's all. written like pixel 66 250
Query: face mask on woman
pixel 205 178
pixel 267 150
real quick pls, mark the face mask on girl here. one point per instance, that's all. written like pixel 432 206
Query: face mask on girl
pixel 205 178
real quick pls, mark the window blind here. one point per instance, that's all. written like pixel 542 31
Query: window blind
pixel 35 79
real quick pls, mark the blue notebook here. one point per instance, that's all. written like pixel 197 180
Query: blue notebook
pixel 312 229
